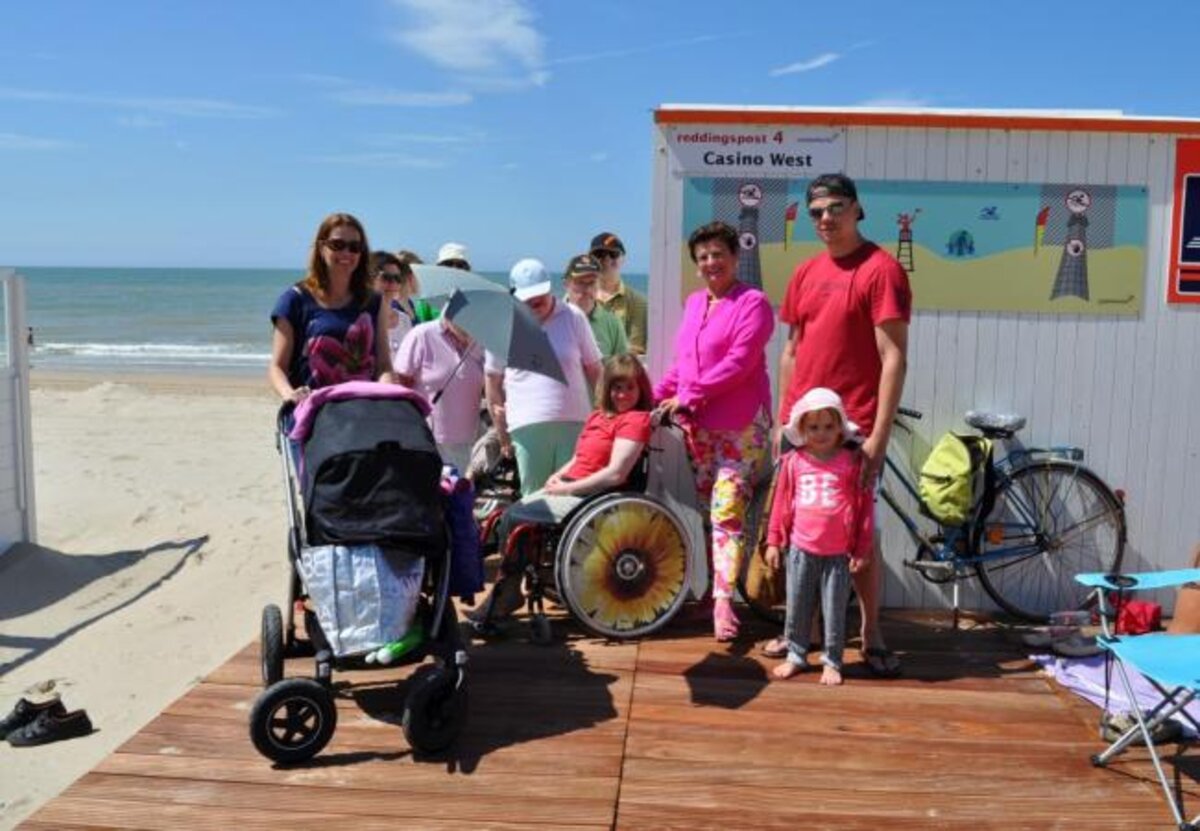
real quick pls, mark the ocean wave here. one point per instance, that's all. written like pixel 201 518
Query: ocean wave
pixel 154 352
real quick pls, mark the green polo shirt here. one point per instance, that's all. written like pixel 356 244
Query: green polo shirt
pixel 608 332
pixel 630 308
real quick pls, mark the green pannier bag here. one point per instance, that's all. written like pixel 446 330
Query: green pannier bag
pixel 954 479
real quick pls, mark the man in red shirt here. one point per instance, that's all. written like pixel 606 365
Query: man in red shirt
pixel 848 311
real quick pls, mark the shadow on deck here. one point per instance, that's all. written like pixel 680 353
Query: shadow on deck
pixel 672 732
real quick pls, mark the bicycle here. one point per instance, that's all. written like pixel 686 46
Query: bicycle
pixel 1047 519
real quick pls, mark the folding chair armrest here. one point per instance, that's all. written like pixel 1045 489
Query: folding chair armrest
pixel 1138 581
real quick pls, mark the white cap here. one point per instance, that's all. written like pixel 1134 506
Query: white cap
pixel 452 251
pixel 817 398
pixel 529 278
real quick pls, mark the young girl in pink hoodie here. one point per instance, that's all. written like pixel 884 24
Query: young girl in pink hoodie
pixel 824 516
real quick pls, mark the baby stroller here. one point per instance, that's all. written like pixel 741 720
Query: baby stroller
pixel 370 571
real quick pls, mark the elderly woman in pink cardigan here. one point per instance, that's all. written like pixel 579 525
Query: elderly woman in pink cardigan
pixel 720 391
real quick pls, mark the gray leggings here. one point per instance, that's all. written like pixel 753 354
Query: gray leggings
pixel 808 575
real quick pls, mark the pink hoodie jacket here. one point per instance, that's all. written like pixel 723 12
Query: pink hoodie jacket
pixel 720 369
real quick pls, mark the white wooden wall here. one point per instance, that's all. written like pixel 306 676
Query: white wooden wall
pixel 17 517
pixel 1125 389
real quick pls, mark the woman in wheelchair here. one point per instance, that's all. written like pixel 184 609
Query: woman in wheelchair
pixel 610 446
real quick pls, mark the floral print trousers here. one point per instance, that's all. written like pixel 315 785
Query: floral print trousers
pixel 725 463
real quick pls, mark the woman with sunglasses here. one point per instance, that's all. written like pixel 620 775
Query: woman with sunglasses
pixel 330 327
pixel 719 391
pixel 396 284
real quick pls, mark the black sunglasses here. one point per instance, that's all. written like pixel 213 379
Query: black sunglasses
pixel 461 265
pixel 339 245
pixel 833 209
pixel 605 254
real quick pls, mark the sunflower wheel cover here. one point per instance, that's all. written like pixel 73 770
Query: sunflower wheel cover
pixel 623 566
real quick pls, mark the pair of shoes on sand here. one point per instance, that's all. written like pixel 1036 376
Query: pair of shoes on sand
pixel 29 724
pixel 880 661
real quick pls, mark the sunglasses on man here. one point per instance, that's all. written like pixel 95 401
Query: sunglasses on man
pixel 834 209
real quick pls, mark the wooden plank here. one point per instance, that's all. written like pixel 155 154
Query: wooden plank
pixel 83 813
pixel 694 736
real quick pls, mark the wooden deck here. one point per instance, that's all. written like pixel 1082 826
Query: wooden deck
pixel 674 732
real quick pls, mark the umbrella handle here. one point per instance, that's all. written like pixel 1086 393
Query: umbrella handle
pixel 437 396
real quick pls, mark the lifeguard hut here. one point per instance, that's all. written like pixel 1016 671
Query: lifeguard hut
pixel 1075 305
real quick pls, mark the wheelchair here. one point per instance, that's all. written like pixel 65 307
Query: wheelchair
pixel 621 562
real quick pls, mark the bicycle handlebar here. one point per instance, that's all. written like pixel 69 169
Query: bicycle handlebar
pixel 908 412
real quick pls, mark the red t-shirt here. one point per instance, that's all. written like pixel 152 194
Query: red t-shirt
pixel 836 305
pixel 600 432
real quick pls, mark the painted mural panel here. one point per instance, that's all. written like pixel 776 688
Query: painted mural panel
pixel 1061 248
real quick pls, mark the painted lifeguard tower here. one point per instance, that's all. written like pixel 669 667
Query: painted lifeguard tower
pixel 18 522
pixel 1055 267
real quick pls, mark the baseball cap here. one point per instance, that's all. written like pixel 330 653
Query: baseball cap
pixel 817 398
pixel 606 241
pixel 529 278
pixel 452 251
pixel 833 184
pixel 584 265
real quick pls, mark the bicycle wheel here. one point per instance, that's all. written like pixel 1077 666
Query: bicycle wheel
pixel 1052 519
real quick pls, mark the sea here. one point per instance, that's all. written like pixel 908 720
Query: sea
pixel 122 320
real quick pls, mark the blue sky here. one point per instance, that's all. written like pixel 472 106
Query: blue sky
pixel 142 132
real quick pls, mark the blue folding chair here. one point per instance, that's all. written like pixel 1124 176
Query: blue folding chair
pixel 1171 663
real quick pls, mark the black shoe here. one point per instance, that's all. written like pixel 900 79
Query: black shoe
pixel 26 711
pixel 51 727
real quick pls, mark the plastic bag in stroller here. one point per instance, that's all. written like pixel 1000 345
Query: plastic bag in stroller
pixel 368 544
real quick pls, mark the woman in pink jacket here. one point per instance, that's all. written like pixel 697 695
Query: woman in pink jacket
pixel 720 392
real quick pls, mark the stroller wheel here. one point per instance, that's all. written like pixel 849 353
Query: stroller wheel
pixel 435 710
pixel 271 645
pixel 293 720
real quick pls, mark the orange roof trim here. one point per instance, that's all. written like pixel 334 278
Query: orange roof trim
pixel 1085 122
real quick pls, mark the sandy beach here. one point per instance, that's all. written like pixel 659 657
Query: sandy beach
pixel 161 535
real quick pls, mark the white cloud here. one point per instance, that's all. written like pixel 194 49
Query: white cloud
pixel 373 97
pixel 355 94
pixel 18 141
pixel 392 139
pixel 611 54
pixel 384 160
pixel 140 122
pixel 488 38
pixel 897 100
pixel 184 107
pixel 806 66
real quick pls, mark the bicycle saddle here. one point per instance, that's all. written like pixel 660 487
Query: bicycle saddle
pixel 995 424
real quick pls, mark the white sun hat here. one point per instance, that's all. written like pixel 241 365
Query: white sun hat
pixel 817 398
pixel 451 252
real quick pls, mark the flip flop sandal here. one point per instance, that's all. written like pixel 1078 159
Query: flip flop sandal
pixel 882 663
pixel 775 648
